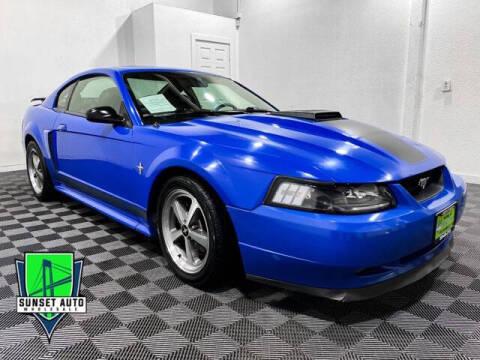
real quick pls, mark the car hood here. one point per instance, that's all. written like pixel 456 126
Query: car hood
pixel 339 150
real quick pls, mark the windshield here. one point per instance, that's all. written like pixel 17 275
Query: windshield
pixel 164 94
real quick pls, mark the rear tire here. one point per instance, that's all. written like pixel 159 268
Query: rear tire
pixel 193 233
pixel 38 175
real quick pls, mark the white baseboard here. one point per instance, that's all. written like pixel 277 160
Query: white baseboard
pixel 470 178
pixel 5 168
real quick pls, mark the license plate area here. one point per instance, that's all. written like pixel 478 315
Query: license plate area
pixel 444 222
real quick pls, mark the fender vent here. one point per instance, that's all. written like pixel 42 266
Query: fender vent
pixel 315 115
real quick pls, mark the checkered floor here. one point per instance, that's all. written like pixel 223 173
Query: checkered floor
pixel 138 310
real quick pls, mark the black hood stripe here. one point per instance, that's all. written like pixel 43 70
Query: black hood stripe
pixel 380 138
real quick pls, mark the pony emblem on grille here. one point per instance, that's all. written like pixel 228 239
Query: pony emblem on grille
pixel 422 182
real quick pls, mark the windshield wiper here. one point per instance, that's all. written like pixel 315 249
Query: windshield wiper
pixel 248 110
pixel 252 109
pixel 213 112
pixel 200 112
pixel 197 112
pixel 167 116
pixel 176 113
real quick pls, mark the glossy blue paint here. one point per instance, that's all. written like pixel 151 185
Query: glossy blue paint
pixel 239 156
pixel 326 251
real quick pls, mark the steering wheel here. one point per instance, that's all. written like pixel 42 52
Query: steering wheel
pixel 221 106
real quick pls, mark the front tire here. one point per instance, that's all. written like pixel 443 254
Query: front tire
pixel 193 232
pixel 38 174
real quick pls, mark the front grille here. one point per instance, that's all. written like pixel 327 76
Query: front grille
pixel 425 185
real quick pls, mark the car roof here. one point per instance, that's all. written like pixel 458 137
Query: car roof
pixel 113 71
pixel 128 69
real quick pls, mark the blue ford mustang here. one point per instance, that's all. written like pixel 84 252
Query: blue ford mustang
pixel 306 200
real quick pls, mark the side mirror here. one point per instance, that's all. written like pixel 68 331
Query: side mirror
pixel 104 115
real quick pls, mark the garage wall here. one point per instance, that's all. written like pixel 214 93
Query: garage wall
pixel 45 42
pixel 206 6
pixel 30 33
pixel 354 56
pixel 227 8
pixel 450 121
pixel 163 35
pixel 341 55
pixel 174 35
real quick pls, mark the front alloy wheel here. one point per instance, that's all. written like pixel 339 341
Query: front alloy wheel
pixel 193 232
pixel 185 231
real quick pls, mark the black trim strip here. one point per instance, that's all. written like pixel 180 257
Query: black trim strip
pixel 53 154
pixel 368 292
pixel 71 95
pixel 109 199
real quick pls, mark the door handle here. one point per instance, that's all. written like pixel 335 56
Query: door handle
pixel 62 127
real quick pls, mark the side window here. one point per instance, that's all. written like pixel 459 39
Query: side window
pixel 62 99
pixel 148 92
pixel 93 92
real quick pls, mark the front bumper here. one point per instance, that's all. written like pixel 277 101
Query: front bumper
pixel 367 292
pixel 334 254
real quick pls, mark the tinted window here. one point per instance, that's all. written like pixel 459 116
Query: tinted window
pixel 94 92
pixel 62 100
pixel 171 93
pixel 217 93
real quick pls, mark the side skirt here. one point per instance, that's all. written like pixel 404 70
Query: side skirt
pixel 105 208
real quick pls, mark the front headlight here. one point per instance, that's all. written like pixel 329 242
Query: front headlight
pixel 329 197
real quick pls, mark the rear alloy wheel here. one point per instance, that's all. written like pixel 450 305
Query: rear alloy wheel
pixel 38 173
pixel 191 232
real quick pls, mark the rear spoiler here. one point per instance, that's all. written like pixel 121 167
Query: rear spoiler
pixel 37 101
pixel 315 115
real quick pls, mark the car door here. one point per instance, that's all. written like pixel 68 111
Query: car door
pixel 96 158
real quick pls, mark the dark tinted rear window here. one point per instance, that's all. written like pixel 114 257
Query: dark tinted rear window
pixel 63 97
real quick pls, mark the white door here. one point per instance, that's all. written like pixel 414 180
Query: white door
pixel 211 56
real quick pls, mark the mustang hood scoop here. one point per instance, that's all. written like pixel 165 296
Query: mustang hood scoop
pixel 315 115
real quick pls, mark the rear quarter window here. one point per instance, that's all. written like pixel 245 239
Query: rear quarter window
pixel 63 97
